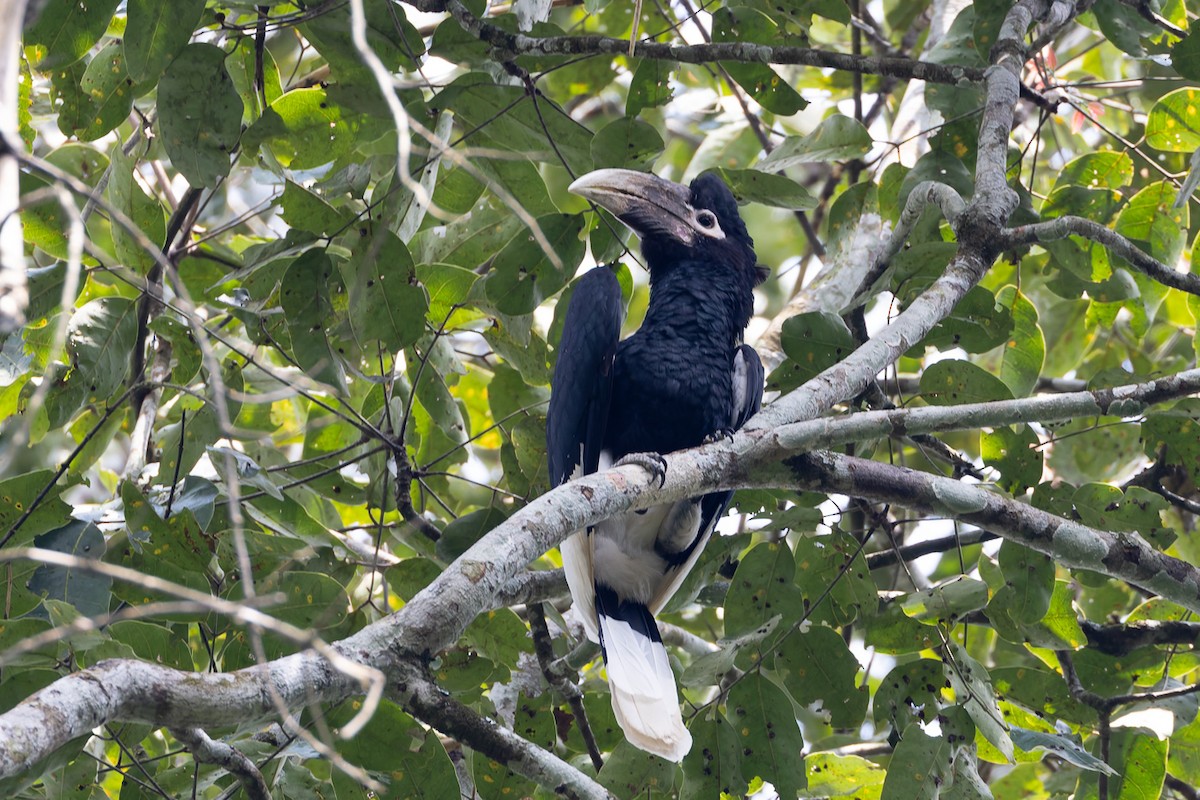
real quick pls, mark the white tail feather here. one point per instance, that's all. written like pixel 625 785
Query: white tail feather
pixel 643 691
pixel 576 553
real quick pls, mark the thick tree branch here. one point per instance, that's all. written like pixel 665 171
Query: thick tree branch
pixel 1062 227
pixel 1126 556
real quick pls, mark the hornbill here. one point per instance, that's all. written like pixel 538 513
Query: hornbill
pixel 682 379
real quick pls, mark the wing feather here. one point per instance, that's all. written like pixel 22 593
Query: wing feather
pixel 578 413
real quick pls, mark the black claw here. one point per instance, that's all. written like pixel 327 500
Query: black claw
pixel 653 463
pixel 718 435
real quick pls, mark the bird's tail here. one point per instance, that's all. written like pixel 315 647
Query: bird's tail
pixel 644 698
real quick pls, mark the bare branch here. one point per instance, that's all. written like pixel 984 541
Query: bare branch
pixel 1062 227
pixel 207 751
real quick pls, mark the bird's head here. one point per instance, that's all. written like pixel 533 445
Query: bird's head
pixel 677 224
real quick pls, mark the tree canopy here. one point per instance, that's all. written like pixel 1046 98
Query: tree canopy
pixel 281 289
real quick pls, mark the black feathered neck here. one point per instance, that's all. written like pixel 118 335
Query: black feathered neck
pixel 708 286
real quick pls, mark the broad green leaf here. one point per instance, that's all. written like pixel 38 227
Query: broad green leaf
pixel 753 186
pixel 1185 57
pixel 741 24
pixel 629 772
pixel 463 532
pixel 304 129
pixel 973 689
pixel 100 337
pixel 387 745
pixel 183 443
pixel 812 342
pixel 1140 762
pixel 952 382
pixel 1151 217
pixel 200 114
pixel 155 33
pixel 831 775
pixel 390 36
pixel 711 668
pixel 837 138
pixel 818 667
pixel 109 92
pixel 628 143
pixel 387 303
pixel 1173 124
pixel 1107 169
pixel 1124 26
pixel 1014 454
pixel 712 766
pixel 153 643
pixel 835 579
pixel 920 764
pixel 946 602
pixel 88 592
pixel 144 210
pixel 523 274
pixel 650 85
pixel 761 588
pixel 308 309
pixel 305 209
pixel 767 733
pixel 65 30
pixel 504 117
pixel 1025 351
pixel 1028 585
pixel 1043 691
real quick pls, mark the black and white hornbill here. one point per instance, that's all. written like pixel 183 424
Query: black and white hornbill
pixel 682 379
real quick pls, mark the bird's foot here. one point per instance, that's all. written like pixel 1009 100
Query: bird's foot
pixel 719 435
pixel 653 463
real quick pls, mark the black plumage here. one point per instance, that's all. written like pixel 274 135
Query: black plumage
pixel 683 378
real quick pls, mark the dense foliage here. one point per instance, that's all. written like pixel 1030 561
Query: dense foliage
pixel 261 363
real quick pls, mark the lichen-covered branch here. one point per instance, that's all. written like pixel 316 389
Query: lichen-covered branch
pixel 1062 227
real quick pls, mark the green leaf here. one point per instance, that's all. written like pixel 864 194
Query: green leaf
pixel 305 129
pixel 65 31
pixel 952 382
pixel 761 589
pixel 465 531
pixel 1108 169
pixel 910 691
pixel 1185 57
pixel 831 775
pixel 946 602
pixel 1013 452
pixel 973 688
pixel 200 114
pixel 741 24
pixel 1066 748
pixel 390 36
pixel 100 337
pixel 767 733
pixel 753 186
pixel 387 303
pixel 1026 349
pixel 837 138
pixel 1044 691
pixel 144 210
pixel 1173 124
pixel 812 342
pixel 920 764
pixel 88 592
pixel 306 210
pixel 108 90
pixel 711 768
pixel 629 772
pixel 817 666
pixel 155 32
pixel 308 309
pixel 153 643
pixel 397 749
pixel 523 275
pixel 711 668
pixel 1151 217
pixel 1028 585
pixel 650 85
pixel 628 143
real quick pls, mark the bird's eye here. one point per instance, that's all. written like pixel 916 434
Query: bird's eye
pixel 706 220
